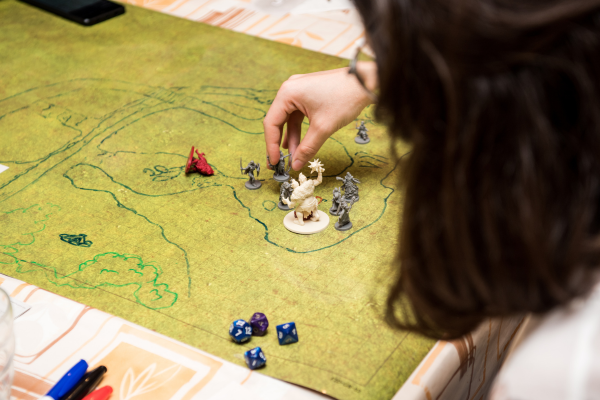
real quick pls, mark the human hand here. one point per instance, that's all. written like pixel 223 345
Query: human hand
pixel 329 99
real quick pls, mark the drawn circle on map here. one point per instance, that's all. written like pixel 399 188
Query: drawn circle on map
pixel 309 227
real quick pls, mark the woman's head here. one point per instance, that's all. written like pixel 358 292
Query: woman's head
pixel 501 101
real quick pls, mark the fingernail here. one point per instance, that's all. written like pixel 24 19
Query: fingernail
pixel 297 165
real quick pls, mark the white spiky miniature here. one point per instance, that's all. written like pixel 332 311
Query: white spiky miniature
pixel 303 197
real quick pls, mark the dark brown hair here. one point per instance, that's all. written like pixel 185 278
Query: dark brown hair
pixel 501 102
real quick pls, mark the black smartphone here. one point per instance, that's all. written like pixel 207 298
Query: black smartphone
pixel 84 12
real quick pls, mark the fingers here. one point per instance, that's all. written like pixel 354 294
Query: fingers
pixel 273 123
pixel 294 131
pixel 308 147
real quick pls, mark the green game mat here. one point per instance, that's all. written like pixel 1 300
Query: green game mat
pixel 96 125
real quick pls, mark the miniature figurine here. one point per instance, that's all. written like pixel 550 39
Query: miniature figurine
pixel 285 191
pixel 252 182
pixel 198 164
pixel 350 188
pixel 343 223
pixel 303 197
pixel 361 136
pixel 335 202
pixel 280 174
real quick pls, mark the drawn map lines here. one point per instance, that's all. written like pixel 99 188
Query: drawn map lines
pixel 110 164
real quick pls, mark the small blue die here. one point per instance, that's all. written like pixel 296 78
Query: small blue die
pixel 240 331
pixel 255 358
pixel 286 333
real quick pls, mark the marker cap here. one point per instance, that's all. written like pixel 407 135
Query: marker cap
pixel 68 381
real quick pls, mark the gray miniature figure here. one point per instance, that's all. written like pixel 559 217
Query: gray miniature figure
pixel 335 202
pixel 280 174
pixel 361 136
pixel 285 191
pixel 343 223
pixel 252 182
pixel 350 188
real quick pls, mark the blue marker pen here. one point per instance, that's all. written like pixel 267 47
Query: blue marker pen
pixel 67 382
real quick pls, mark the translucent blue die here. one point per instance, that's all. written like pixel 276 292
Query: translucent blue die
pixel 240 331
pixel 255 358
pixel 287 333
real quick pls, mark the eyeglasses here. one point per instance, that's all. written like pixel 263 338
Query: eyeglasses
pixel 354 71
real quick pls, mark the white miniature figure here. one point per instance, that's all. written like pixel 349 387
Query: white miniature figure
pixel 303 197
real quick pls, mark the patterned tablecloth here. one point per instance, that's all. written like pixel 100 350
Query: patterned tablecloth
pixel 56 332
pixel 327 26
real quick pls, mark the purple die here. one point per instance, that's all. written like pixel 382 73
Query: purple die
pixel 259 324
pixel 240 331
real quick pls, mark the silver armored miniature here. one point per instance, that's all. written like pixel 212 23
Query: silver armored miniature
pixel 361 136
pixel 335 202
pixel 285 191
pixel 252 182
pixel 349 187
pixel 280 174
pixel 343 223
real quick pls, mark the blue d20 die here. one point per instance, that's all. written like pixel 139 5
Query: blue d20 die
pixel 259 324
pixel 240 331
pixel 287 333
pixel 255 358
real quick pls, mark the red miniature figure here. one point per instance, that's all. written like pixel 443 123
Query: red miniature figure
pixel 198 164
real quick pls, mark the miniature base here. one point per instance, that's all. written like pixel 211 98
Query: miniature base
pixel 360 140
pixel 281 178
pixel 257 184
pixel 283 207
pixel 336 213
pixel 309 226
pixel 343 227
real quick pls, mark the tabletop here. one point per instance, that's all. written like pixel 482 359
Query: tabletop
pixel 108 169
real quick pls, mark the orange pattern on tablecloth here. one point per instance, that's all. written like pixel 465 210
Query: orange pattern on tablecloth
pixel 336 32
pixel 146 376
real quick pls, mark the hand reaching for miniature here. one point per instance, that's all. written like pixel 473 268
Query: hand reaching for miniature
pixel 329 99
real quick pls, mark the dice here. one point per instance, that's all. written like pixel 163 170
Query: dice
pixel 240 331
pixel 287 333
pixel 259 324
pixel 255 358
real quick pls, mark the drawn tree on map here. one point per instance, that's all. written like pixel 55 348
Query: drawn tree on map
pixel 121 270
pixel 25 224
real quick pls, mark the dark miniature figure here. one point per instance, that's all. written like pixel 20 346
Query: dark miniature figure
pixel 252 182
pixel 335 202
pixel 343 223
pixel 198 164
pixel 349 187
pixel 285 191
pixel 280 174
pixel 361 136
